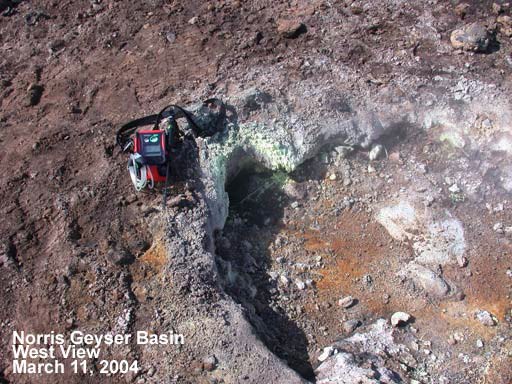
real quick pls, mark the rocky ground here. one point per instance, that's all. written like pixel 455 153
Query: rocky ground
pixel 350 222
pixel 322 267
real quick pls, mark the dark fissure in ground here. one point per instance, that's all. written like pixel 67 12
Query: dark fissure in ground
pixel 256 209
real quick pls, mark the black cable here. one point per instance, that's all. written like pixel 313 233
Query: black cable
pixel 124 133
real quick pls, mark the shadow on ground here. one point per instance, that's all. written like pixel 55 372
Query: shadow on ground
pixel 256 211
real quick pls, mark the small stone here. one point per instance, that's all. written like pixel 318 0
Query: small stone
pixel 284 280
pixel 131 198
pixel 376 152
pixel 462 9
pixel 120 257
pixel 458 337
pixel 327 352
pixel 498 208
pixel 356 9
pixel 290 29
pixel 294 205
pixel 454 188
pixel 350 326
pixel 193 20
pixel 496 8
pixel 70 323
pixel 151 371
pixel 7 253
pixel 196 366
pixel 343 151
pixel 34 93
pixel 473 37
pixel 460 296
pixel 479 343
pixel 300 285
pixel 498 228
pixel 486 318
pixel 171 37
pixel 462 261
pixel 56 46
pixel 294 190
pixel 429 200
pixel 346 302
pixel 400 318
pixel 428 280
pixel 210 363
pixel 332 176
pixel 505 25
pixel 395 157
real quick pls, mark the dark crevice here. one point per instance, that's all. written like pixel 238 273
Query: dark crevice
pixel 243 259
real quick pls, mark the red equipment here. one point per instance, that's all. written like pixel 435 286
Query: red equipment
pixel 151 145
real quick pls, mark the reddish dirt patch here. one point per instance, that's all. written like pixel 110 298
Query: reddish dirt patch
pixel 155 257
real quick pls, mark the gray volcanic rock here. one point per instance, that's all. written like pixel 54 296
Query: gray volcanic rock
pixel 473 37
pixel 428 280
